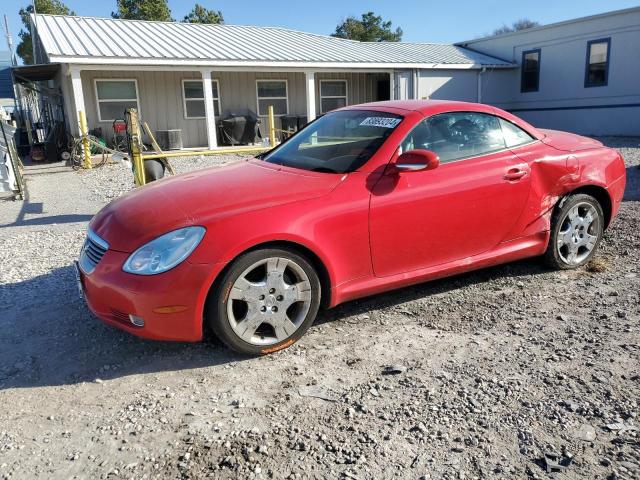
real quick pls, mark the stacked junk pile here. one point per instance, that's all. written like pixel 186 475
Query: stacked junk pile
pixel 11 181
pixel 42 133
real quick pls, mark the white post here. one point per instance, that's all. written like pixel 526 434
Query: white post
pixel 392 86
pixel 480 72
pixel 209 112
pixel 78 99
pixel 310 81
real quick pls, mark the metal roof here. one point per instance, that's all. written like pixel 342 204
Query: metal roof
pixel 104 40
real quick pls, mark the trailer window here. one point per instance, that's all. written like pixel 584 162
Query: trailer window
pixel 530 81
pixel 597 63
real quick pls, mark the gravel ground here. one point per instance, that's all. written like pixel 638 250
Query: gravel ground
pixel 112 180
pixel 493 374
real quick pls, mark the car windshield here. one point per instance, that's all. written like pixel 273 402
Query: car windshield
pixel 337 142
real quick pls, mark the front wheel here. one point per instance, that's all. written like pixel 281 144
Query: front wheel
pixel 265 301
pixel 577 226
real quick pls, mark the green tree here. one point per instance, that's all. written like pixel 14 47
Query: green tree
pixel 143 10
pixel 51 7
pixel 370 28
pixel 199 14
pixel 522 24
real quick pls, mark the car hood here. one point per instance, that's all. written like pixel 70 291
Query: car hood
pixel 203 196
pixel 568 142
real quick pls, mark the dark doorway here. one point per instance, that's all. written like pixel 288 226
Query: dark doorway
pixel 382 89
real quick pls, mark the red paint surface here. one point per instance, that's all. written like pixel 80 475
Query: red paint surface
pixel 373 230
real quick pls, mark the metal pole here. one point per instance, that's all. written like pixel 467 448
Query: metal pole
pixel 195 153
pixel 272 128
pixel 32 29
pixel 9 40
pixel 86 149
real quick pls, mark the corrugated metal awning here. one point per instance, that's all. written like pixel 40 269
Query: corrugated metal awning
pixel 36 73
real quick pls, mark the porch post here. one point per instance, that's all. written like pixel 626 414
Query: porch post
pixel 78 100
pixel 480 72
pixel 392 86
pixel 209 112
pixel 310 82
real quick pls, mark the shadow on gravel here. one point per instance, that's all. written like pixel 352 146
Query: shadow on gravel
pixel 37 208
pixel 522 268
pixel 48 337
pixel 632 189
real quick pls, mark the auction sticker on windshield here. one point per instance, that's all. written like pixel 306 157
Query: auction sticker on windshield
pixel 386 122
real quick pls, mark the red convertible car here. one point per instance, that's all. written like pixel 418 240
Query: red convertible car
pixel 363 200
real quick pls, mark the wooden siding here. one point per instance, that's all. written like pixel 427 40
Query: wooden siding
pixel 238 91
pixel 161 101
pixel 361 87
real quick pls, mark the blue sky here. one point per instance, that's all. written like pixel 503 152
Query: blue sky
pixel 421 20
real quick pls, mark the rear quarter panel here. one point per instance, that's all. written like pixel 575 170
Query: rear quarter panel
pixel 555 173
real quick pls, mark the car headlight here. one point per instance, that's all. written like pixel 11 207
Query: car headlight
pixel 164 252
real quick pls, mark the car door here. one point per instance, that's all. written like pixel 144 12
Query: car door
pixel 464 207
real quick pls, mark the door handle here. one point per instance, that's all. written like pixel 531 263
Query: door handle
pixel 514 174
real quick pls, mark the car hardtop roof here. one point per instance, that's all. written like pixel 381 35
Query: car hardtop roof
pixel 433 107
pixel 428 106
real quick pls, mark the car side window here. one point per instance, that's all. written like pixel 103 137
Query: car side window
pixel 456 135
pixel 514 135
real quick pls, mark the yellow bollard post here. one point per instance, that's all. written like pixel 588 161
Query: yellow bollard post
pixel 86 150
pixel 272 127
pixel 135 147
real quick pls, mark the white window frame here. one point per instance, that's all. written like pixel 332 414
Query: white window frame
pixel 258 98
pixel 98 101
pixel 185 99
pixel 345 96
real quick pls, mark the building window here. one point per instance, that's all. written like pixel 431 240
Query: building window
pixel 272 92
pixel 114 97
pixel 597 74
pixel 530 81
pixel 193 98
pixel 333 94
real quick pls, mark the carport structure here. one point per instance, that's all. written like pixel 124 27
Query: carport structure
pixel 185 76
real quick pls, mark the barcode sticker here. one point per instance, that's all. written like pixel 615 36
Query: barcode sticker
pixel 385 122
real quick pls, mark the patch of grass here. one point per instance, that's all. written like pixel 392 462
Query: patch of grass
pixel 597 265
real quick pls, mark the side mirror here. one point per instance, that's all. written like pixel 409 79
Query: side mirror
pixel 417 160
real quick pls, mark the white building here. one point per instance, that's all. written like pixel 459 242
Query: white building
pixel 581 75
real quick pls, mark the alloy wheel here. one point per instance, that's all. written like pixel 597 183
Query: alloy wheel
pixel 269 301
pixel 578 234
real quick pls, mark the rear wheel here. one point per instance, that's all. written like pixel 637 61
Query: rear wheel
pixel 576 231
pixel 265 302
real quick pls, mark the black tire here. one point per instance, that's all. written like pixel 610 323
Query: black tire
pixel 217 315
pixel 153 170
pixel 554 256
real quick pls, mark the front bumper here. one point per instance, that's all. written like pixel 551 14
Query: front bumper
pixel 171 303
pixel 616 192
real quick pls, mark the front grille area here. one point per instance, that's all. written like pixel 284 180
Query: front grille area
pixel 92 252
